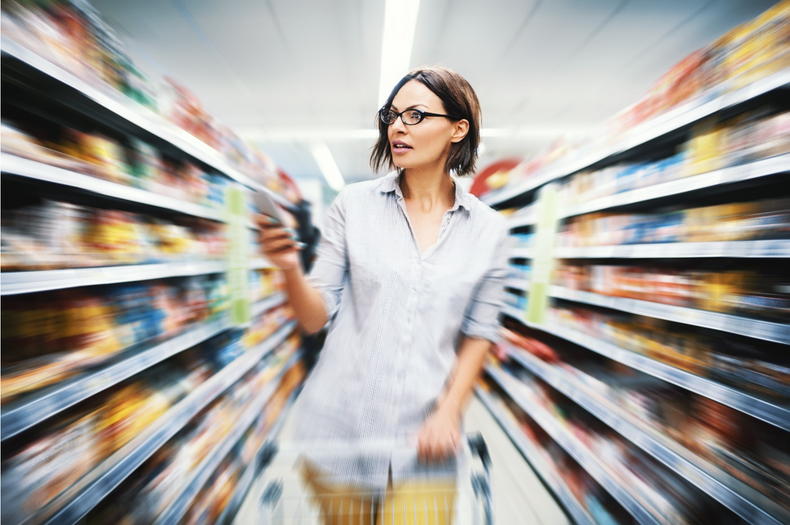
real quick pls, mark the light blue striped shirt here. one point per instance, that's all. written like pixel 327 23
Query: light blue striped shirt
pixel 399 318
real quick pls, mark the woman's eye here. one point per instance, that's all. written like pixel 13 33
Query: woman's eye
pixel 414 116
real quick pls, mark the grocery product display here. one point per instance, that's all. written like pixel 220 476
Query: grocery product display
pixel 135 164
pixel 150 355
pixel 759 295
pixel 160 488
pixel 745 63
pixel 56 235
pixel 748 138
pixel 74 37
pixel 729 360
pixel 637 482
pixel 658 366
pixel 768 219
pixel 589 502
pixel 49 338
pixel 127 375
pixel 709 431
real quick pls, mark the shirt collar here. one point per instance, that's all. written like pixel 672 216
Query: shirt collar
pixel 389 183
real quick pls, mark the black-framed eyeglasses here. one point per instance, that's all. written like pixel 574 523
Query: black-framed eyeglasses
pixel 410 117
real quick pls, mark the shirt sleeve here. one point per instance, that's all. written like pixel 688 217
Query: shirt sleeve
pixel 330 269
pixel 481 320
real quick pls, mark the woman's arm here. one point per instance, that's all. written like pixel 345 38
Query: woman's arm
pixel 305 300
pixel 282 249
pixel 440 434
pixel 314 298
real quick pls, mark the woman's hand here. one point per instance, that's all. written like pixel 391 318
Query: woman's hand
pixel 280 245
pixel 439 437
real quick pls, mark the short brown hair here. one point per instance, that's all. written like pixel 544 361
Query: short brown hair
pixel 459 99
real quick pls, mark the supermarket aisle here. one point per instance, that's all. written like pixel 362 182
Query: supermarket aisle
pixel 519 496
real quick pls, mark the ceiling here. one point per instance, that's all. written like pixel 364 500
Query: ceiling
pixel 287 73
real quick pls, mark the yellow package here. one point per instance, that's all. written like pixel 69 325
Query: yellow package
pixel 717 289
pixel 705 148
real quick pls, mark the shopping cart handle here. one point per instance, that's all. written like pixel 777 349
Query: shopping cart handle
pixel 478 446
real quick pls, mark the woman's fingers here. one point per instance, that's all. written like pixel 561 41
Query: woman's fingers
pixel 436 442
pixel 423 445
pixel 275 239
pixel 273 233
pixel 281 245
pixel 434 448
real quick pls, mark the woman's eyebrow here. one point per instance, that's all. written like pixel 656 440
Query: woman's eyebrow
pixel 392 106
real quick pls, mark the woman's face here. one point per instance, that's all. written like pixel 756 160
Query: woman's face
pixel 427 143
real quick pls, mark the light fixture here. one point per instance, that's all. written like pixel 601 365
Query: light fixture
pixel 326 163
pixel 400 20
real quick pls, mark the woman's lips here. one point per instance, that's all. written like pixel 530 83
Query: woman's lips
pixel 399 147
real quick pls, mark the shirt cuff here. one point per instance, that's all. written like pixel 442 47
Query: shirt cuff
pixel 330 304
pixel 476 330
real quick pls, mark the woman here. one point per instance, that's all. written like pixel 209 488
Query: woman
pixel 411 267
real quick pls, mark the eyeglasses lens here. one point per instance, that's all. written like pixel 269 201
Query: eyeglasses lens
pixel 388 116
pixel 409 117
pixel 412 117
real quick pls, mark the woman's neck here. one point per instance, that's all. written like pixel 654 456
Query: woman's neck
pixel 428 188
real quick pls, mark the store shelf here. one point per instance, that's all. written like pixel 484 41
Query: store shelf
pixel 195 480
pixel 514 312
pixel 115 106
pixel 14 283
pixel 38 171
pixel 673 120
pixel 767 411
pixel 19 417
pixel 267 304
pixel 733 174
pixel 516 284
pixel 520 253
pixel 72 505
pixel 719 485
pixel 764 249
pixel 251 471
pixel 564 437
pixel 755 328
pixel 520 221
pixel 552 480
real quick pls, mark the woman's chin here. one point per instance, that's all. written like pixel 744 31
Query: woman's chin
pixel 404 164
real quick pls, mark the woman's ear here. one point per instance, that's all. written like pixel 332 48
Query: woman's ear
pixel 460 131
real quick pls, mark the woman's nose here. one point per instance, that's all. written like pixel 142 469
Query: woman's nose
pixel 398 125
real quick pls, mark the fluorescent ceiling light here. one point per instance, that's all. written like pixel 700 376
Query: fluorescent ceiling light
pixel 326 163
pixel 400 19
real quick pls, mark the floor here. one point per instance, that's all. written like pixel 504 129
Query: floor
pixel 519 496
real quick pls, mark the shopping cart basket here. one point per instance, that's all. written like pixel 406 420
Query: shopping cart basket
pixel 287 497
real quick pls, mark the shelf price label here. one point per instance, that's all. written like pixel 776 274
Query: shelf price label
pixel 238 257
pixel 543 254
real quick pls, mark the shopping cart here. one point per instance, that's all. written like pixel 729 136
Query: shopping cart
pixel 288 497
